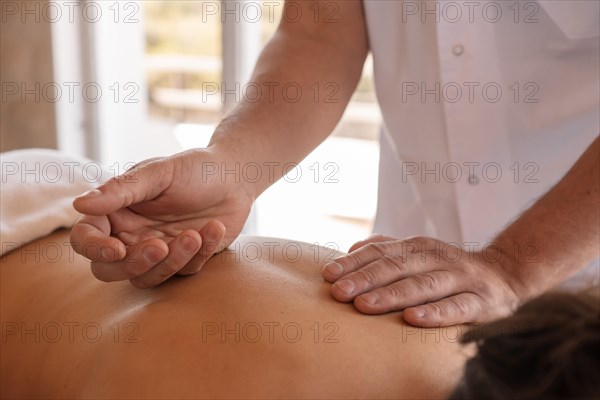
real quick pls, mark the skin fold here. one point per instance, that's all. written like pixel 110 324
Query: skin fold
pixel 67 335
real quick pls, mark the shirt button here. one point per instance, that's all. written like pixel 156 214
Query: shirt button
pixel 473 180
pixel 458 49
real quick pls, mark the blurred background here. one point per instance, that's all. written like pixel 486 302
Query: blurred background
pixel 121 81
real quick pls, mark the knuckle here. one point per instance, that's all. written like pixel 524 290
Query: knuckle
pixel 127 196
pixel 367 276
pixel 481 288
pixel 116 185
pixel 451 253
pixel 357 258
pixel 426 282
pixel 467 268
pixel 410 245
pixel 130 175
pixel 114 181
pixel 460 305
pixel 439 310
pixel 376 248
pixel 394 292
pixel 395 263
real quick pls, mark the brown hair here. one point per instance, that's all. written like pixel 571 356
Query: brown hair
pixel 547 350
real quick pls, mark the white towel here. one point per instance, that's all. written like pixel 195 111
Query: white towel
pixel 38 187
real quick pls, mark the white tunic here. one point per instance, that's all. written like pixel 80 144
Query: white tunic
pixel 484 110
pixel 486 105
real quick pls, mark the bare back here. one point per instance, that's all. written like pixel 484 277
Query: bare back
pixel 256 322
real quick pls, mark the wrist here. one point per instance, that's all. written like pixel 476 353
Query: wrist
pixel 519 262
pixel 239 175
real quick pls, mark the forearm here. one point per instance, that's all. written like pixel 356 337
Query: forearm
pixel 278 127
pixel 560 233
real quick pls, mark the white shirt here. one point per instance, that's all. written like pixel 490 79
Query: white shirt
pixel 530 133
pixel 528 106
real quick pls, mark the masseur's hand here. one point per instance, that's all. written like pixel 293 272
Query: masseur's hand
pixel 164 216
pixel 434 283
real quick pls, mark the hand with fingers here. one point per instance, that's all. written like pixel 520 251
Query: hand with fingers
pixel 435 283
pixel 163 217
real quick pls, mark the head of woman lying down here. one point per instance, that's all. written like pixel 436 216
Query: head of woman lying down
pixel 258 322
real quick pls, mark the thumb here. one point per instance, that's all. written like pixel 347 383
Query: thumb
pixel 143 182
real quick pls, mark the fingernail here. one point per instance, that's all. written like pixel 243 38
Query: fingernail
pixel 151 256
pixel 419 312
pixel 91 193
pixel 107 253
pixel 346 286
pixel 334 269
pixel 370 298
pixel 213 234
pixel 189 245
